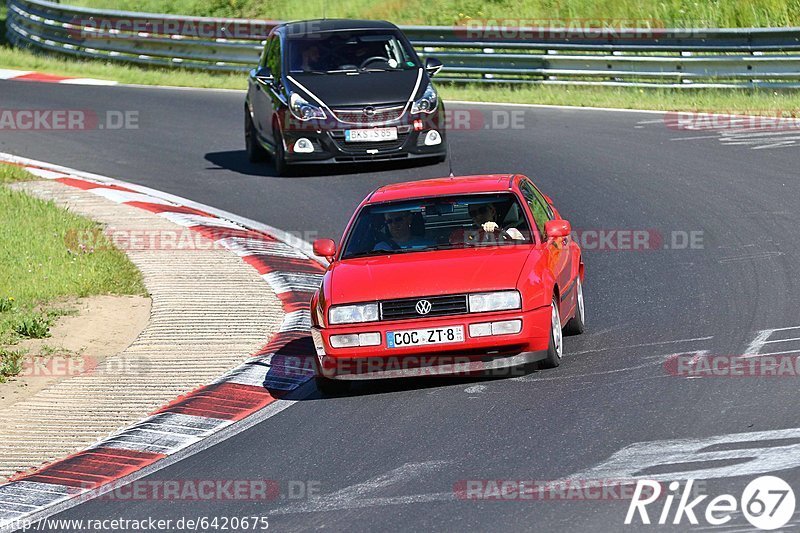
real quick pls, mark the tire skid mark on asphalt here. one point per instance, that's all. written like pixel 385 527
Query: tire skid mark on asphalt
pixel 215 411
pixel 357 496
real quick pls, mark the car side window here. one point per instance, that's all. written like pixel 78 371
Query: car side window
pixel 265 53
pixel 539 207
pixel 273 57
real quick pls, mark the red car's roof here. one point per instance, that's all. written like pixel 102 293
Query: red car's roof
pixel 442 187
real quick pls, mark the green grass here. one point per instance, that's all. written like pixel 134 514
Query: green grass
pixel 672 13
pixel 15 58
pixel 741 101
pixel 720 100
pixel 10 363
pixel 38 268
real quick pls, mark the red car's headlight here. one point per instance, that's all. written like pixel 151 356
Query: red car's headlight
pixel 494 301
pixel 352 314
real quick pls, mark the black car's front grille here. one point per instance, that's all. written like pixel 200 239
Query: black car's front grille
pixel 374 115
pixel 452 304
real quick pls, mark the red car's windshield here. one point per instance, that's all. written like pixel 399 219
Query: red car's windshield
pixel 438 223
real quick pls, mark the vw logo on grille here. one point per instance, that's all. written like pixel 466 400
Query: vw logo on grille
pixel 423 307
pixel 369 111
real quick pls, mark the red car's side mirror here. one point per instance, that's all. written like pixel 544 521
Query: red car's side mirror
pixel 557 229
pixel 325 248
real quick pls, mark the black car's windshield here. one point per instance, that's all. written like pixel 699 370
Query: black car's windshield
pixel 438 223
pixel 354 51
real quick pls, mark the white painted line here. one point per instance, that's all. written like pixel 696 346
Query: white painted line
pixel 47 174
pixel 8 74
pixel 122 197
pixel 751 356
pixel 746 454
pixel 87 81
pixel 282 282
pixel 243 247
pixel 642 345
pixel 296 321
pixel 694 138
pixel 185 220
pixel 782 340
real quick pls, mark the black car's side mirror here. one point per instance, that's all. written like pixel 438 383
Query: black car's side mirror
pixel 433 66
pixel 264 76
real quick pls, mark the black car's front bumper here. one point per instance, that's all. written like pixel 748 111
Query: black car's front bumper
pixel 330 146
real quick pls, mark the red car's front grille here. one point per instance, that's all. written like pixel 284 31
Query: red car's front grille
pixel 453 304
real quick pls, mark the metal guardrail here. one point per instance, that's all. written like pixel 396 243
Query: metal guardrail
pixel 690 58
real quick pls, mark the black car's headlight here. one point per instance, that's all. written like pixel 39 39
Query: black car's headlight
pixel 427 102
pixel 304 110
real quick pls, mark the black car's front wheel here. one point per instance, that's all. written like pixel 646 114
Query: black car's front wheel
pixel 279 156
pixel 255 152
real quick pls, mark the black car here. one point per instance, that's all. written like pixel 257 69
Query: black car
pixel 330 91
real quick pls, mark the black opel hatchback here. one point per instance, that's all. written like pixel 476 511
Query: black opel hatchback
pixel 330 91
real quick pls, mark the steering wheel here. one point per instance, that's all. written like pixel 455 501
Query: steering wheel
pixel 369 60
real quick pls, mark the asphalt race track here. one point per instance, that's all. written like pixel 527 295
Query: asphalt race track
pixel 389 455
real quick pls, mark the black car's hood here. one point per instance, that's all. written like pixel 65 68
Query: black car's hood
pixel 365 88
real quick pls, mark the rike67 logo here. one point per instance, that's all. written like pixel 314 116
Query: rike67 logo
pixel 767 503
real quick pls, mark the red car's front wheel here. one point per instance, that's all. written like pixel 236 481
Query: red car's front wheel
pixel 556 346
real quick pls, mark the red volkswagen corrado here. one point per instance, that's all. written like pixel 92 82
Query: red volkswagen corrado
pixel 447 276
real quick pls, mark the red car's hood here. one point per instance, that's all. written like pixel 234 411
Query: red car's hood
pixel 415 274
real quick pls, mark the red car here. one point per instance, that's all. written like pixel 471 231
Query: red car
pixel 447 276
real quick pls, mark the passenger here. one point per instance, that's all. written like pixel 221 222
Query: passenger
pixel 485 227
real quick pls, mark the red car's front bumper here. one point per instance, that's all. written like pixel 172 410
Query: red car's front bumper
pixel 473 355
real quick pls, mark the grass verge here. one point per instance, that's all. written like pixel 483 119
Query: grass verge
pixel 38 268
pixel 663 13
pixel 719 100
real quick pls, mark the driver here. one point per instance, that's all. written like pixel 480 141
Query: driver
pixel 485 227
pixel 311 59
pixel 399 225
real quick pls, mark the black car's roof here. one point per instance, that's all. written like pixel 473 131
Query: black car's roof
pixel 323 25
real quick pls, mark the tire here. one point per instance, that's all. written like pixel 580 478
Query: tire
pixel 331 387
pixel 556 346
pixel 279 157
pixel 576 325
pixel 255 152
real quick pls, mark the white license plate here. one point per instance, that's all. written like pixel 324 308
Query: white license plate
pixel 371 135
pixel 421 337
